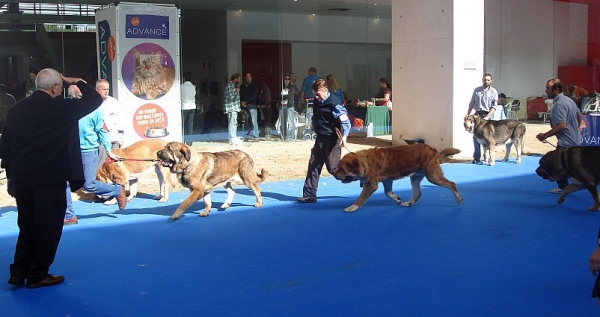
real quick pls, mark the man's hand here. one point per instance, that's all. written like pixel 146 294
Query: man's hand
pixel 541 136
pixel 113 156
pixel 71 80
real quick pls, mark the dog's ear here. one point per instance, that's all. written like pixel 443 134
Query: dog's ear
pixel 186 152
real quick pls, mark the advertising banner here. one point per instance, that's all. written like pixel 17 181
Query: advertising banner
pixel 138 53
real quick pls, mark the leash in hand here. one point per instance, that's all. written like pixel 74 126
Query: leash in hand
pixel 340 137
pixel 546 141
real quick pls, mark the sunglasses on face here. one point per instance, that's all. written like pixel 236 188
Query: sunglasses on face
pixel 286 79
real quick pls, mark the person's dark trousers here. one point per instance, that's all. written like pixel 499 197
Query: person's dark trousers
pixel 40 215
pixel 188 123
pixel 326 152
pixel 476 145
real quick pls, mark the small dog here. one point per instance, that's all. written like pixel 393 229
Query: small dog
pixel 491 133
pixel 201 172
pixel 127 172
pixel 385 165
pixel 580 164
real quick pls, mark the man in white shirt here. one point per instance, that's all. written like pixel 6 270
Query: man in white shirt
pixel 113 114
pixel 188 106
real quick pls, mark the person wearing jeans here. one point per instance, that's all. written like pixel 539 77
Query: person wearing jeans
pixel 91 137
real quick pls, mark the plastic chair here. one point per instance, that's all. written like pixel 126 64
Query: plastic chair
pixel 546 114
pixel 513 108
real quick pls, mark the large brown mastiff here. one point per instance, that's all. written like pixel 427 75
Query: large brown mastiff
pixel 580 163
pixel 201 172
pixel 385 165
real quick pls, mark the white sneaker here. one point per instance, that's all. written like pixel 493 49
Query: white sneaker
pixel 556 190
pixel 236 141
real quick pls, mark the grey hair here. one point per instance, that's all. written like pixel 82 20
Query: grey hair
pixel 47 78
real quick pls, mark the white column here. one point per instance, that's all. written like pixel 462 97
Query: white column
pixel 437 58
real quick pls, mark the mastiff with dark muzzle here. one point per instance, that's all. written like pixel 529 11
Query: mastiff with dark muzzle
pixel 580 163
pixel 201 172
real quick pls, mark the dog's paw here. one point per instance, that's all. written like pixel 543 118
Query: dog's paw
pixel 518 161
pixel 407 203
pixel 205 213
pixel 560 200
pixel 352 208
pixel 492 163
pixel 505 159
pixel 459 200
pixel 161 199
pixel 224 206
pixel 593 208
pixel 130 198
pixel 173 217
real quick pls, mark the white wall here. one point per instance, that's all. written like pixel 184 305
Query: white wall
pixel 526 41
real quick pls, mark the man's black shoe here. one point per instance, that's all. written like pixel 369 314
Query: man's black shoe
pixel 47 281
pixel 16 281
pixel 307 199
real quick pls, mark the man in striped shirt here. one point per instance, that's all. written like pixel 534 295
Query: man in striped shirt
pixel 232 104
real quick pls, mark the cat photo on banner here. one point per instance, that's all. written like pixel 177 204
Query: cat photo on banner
pixel 148 72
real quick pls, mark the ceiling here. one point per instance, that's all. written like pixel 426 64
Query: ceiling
pixel 356 8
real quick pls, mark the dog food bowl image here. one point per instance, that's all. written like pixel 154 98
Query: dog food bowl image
pixel 156 132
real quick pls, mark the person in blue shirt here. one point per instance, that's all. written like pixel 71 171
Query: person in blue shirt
pixel 306 93
pixel 328 115
pixel 91 137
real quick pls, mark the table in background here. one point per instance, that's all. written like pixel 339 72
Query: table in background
pixel 378 115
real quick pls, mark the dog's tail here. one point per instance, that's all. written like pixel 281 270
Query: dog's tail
pixel 262 175
pixel 447 152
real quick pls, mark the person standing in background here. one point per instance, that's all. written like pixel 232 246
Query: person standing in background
pixel 248 95
pixel 484 102
pixel 288 113
pixel 293 80
pixel 264 96
pixel 188 107
pixel 29 85
pixel 334 87
pixel 113 116
pixel 232 105
pixel 306 94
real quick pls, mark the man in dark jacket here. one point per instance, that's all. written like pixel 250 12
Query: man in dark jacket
pixel 328 114
pixel 248 95
pixel 39 148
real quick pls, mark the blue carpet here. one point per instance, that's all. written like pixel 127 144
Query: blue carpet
pixel 508 250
